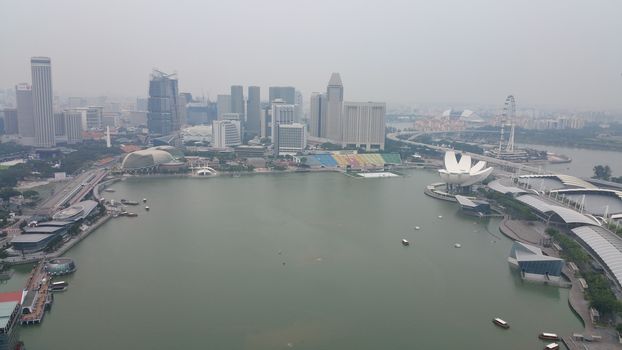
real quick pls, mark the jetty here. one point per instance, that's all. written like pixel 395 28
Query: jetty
pixel 38 297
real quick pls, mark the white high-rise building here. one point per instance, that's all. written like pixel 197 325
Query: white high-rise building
pixel 364 124
pixel 223 105
pixel 281 114
pixel 43 102
pixel 334 106
pixel 73 125
pixel 317 119
pixel 292 138
pixel 226 133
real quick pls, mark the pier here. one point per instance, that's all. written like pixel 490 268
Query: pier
pixel 38 296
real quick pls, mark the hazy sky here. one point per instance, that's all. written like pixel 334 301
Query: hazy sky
pixel 546 52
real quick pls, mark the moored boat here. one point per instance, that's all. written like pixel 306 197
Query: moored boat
pixel 548 336
pixel 501 323
pixel 552 346
pixel 59 286
pixel 128 202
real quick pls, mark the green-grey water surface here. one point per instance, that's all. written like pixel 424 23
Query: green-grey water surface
pixel 304 261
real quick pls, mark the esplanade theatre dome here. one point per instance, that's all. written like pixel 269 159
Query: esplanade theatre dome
pixel 147 159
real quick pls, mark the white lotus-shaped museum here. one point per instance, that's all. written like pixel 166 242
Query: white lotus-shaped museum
pixel 463 173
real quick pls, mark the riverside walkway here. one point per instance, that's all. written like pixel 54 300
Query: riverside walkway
pixel 522 231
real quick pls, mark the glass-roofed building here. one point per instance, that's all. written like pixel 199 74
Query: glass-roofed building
pixel 534 265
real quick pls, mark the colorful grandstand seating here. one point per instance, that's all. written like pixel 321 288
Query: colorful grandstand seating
pixel 356 161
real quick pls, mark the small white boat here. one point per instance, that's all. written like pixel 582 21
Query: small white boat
pixel 548 336
pixel 405 242
pixel 417 228
pixel 144 200
pixel 440 216
pixel 501 323
pixel 146 207
pixel 457 245
pixel 552 346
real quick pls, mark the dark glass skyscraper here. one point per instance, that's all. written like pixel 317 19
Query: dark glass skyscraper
pixel 285 93
pixel 163 110
pixel 253 110
pixel 237 101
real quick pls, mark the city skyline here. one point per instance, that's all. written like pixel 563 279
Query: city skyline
pixel 412 60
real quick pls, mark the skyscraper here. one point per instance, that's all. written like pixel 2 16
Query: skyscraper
pixel 163 110
pixel 334 106
pixel 224 105
pixel 282 114
pixel 285 93
pixel 253 111
pixel 364 124
pixel 317 122
pixel 73 125
pixel 25 114
pixel 299 113
pixel 237 101
pixel 43 102
pixel 59 125
pixel 10 121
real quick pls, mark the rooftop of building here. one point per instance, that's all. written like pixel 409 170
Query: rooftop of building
pixel 32 238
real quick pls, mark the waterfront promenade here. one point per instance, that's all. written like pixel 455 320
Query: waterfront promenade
pixel 533 233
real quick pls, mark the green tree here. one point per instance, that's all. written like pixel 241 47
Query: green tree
pixel 602 172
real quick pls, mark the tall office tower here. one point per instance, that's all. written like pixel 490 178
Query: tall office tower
pixel 253 111
pixel 226 133
pixel 163 109
pixel 43 101
pixel 184 99
pixel 25 113
pixel 237 101
pixel 10 121
pixel 224 105
pixel 299 114
pixel 291 139
pixel 364 124
pixel 73 126
pixel 317 120
pixel 59 124
pixel 281 114
pixel 334 106
pixel 285 93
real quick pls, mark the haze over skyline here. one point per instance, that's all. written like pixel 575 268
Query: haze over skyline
pixel 555 53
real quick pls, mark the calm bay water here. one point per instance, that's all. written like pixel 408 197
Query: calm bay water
pixel 584 160
pixel 306 261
